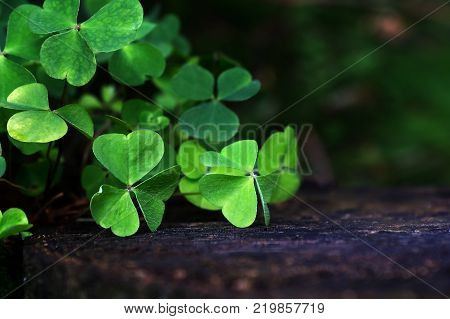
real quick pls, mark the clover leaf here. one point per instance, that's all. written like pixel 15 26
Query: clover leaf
pixel 231 185
pixel 129 157
pixel 114 208
pixel 212 121
pixel 37 123
pixel 134 63
pixel 2 163
pixel 188 158
pixel 70 53
pixel 237 85
pixel 192 82
pixel 13 222
pixel 12 76
pixel 280 154
pixel 68 56
pixel 78 118
pixel 20 41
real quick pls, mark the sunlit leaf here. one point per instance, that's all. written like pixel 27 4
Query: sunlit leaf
pixel 129 157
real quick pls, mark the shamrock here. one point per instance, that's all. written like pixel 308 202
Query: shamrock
pixel 36 123
pixel 188 158
pixel 141 114
pixel 13 222
pixel 232 182
pixel 212 121
pixel 2 163
pixel 130 158
pixel 280 154
pixel 70 52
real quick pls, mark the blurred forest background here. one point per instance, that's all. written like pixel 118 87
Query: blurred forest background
pixel 383 121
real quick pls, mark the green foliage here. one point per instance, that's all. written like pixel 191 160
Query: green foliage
pixel 236 85
pixel 13 222
pixel 129 158
pixel 138 158
pixel 212 121
pixel 70 53
pixel 231 184
pixel 280 154
pixel 37 123
pixel 20 41
pixel 135 62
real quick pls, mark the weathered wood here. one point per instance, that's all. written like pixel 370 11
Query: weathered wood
pixel 301 255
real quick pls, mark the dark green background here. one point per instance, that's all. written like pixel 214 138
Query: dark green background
pixel 382 122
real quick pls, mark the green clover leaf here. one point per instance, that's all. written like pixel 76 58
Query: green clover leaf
pixel 68 56
pixel 55 16
pixel 129 157
pixel 212 121
pixel 237 85
pixel 13 222
pixel 188 158
pixel 190 188
pixel 134 63
pixel 280 154
pixel 37 123
pixel 233 183
pixel 36 127
pixel 192 82
pixel 114 208
pixel 113 26
pixel 152 193
pixel 78 117
pixel 13 75
pixel 20 41
pixel 70 53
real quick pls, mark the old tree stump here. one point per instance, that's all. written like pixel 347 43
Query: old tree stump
pixel 390 243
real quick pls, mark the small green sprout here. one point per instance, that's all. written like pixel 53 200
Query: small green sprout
pixel 70 52
pixel 14 222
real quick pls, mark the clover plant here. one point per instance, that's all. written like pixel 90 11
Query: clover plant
pixel 119 101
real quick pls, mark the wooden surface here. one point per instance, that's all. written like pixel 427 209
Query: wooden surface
pixel 372 244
